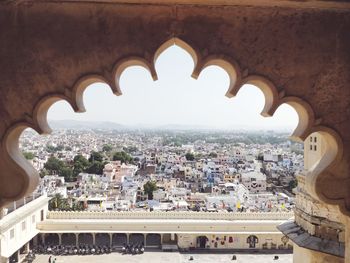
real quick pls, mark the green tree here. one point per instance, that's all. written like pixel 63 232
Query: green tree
pixel 292 184
pixel 28 155
pixel 81 159
pixel 189 156
pixel 67 173
pixel 130 149
pixel 95 168
pixel 213 155
pixel 54 165
pixel 198 156
pixel 53 149
pixel 58 203
pixel 59 148
pixel 50 149
pixel 80 164
pixel 67 148
pixel 95 156
pixel 43 172
pixel 122 156
pixel 149 188
pixel 107 148
pixel 77 206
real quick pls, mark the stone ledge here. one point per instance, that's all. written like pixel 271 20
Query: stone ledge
pixel 305 240
pixel 316 4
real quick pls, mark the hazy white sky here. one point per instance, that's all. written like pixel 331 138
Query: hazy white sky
pixel 176 98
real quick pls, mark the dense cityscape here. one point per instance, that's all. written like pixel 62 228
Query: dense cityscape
pixel 165 170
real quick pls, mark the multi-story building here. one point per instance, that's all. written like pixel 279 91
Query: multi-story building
pixel 18 227
pixel 254 181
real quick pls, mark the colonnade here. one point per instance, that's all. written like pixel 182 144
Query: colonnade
pixel 104 239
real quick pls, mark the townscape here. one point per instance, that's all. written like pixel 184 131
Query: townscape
pixel 165 170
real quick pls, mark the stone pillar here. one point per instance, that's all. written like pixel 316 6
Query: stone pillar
pixel 60 238
pixel 127 238
pixel 172 236
pixel 35 241
pixel 18 255
pixel 27 248
pixel 93 239
pixel 110 239
pixel 43 238
pixel 76 239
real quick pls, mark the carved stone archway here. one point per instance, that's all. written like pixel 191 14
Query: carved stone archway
pixel 295 53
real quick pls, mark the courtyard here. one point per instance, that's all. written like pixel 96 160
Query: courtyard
pixel 170 257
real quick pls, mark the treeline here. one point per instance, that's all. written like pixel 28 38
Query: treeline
pixel 93 165
pixel 248 138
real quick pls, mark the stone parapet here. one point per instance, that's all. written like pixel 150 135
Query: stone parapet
pixel 169 215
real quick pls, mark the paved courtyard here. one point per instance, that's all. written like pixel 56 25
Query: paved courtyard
pixel 169 257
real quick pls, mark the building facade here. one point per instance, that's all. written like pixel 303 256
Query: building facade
pixel 18 228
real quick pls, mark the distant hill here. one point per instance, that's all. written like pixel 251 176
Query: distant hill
pixel 108 125
pixel 78 125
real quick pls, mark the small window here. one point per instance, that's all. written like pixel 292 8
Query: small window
pixel 315 148
pixel 33 219
pixel 23 225
pixel 310 147
pixel 42 215
pixel 12 233
pixel 315 139
pixel 310 138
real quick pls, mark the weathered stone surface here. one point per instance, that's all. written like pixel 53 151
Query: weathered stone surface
pixel 305 240
pixel 296 52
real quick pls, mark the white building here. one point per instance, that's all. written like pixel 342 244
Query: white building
pixel 19 227
pixel 254 181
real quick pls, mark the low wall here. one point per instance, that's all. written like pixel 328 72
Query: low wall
pixel 169 215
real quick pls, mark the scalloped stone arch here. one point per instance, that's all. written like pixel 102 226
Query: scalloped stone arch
pixel 180 43
pixel 229 65
pixel 123 64
pixel 42 107
pixel 21 178
pixel 15 162
pixel 306 117
pixel 268 89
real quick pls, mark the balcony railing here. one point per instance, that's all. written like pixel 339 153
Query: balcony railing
pixel 21 202
pixel 169 215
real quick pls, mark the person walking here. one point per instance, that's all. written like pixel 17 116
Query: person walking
pixel 50 260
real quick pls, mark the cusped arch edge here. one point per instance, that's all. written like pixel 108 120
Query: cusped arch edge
pixel 74 96
pixel 14 167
